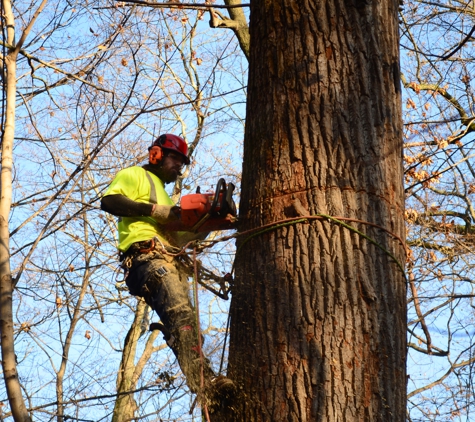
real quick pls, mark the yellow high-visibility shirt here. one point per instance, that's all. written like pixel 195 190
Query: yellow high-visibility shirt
pixel 135 183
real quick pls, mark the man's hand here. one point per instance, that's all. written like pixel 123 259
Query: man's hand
pixel 165 213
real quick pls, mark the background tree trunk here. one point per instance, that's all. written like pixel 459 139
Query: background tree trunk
pixel 9 360
pixel 9 364
pixel 130 369
pixel 318 311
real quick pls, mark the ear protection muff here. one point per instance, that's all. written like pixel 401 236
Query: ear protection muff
pixel 155 152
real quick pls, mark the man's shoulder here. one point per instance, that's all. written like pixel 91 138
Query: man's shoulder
pixel 140 175
pixel 132 170
pixel 132 174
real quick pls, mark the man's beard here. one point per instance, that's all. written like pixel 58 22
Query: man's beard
pixel 165 176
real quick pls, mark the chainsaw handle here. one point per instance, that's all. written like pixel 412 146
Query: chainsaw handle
pixel 220 186
pixel 230 206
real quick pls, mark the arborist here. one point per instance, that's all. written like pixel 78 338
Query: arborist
pixel 137 196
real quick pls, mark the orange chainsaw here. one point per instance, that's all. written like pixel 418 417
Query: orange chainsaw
pixel 206 212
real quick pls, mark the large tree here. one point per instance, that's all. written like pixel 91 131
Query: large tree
pixel 318 314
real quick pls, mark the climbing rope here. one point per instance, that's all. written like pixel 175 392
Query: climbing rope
pixel 198 325
pixel 252 233
pixel 341 221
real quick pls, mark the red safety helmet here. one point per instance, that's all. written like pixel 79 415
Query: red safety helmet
pixel 168 142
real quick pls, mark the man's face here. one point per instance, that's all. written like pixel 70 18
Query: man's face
pixel 171 166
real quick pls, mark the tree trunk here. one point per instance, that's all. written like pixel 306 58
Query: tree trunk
pixel 125 405
pixel 318 311
pixel 9 365
pixel 129 373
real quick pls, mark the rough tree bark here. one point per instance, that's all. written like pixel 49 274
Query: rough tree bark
pixel 318 311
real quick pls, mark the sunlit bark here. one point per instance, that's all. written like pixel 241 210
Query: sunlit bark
pixel 318 312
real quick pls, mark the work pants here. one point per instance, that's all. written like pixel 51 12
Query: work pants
pixel 162 281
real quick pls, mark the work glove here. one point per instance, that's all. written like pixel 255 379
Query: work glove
pixel 165 213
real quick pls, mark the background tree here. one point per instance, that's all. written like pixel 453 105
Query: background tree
pixel 95 85
pixel 9 76
pixel 437 39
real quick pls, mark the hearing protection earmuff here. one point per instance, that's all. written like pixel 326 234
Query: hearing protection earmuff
pixel 155 152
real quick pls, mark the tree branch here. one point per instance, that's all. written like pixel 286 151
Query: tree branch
pixel 178 5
